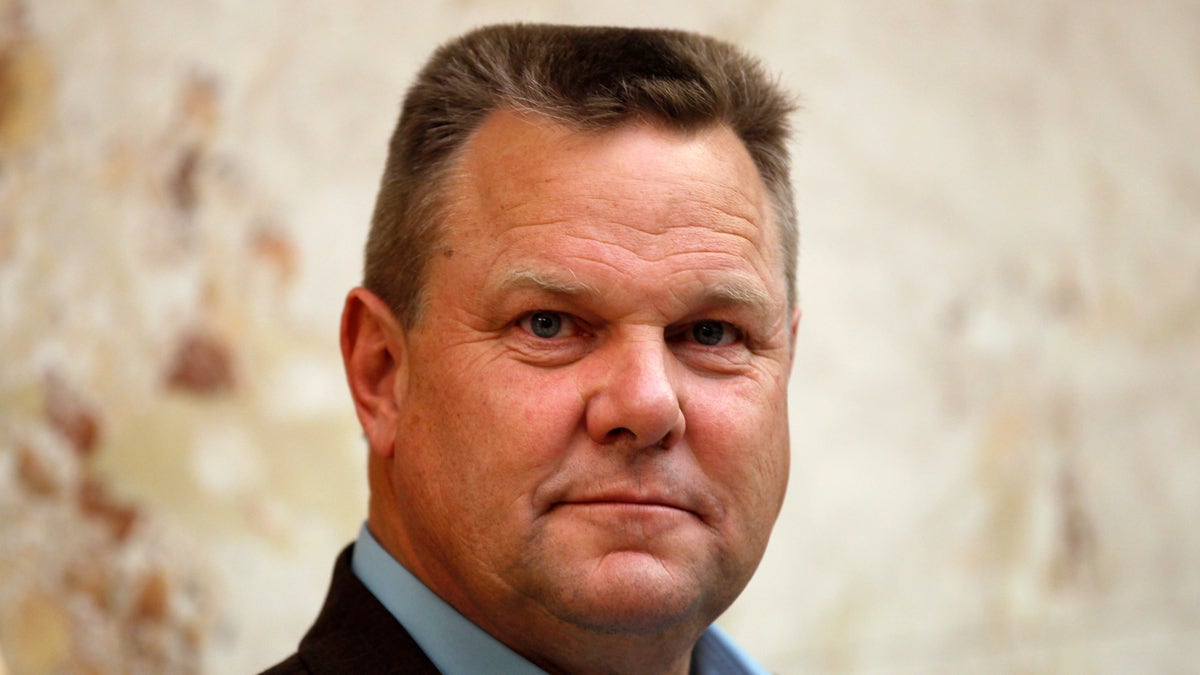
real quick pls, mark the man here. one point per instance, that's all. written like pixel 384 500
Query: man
pixel 570 360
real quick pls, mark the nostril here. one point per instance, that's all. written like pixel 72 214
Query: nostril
pixel 626 435
pixel 620 433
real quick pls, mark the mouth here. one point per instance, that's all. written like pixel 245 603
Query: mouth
pixel 630 504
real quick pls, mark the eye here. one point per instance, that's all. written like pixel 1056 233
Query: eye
pixel 548 325
pixel 712 333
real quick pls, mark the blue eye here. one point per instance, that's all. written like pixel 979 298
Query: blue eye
pixel 713 333
pixel 708 332
pixel 543 324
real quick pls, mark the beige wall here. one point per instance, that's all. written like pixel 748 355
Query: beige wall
pixel 996 401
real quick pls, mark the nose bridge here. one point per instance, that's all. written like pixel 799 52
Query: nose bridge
pixel 639 397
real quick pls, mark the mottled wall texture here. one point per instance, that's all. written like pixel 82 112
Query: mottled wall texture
pixel 996 400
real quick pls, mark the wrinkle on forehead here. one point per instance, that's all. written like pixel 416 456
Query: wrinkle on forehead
pixel 730 289
pixel 689 203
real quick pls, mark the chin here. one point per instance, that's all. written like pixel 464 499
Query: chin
pixel 635 593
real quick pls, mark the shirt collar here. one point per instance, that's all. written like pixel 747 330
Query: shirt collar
pixel 458 647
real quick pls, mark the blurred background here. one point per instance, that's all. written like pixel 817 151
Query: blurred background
pixel 996 398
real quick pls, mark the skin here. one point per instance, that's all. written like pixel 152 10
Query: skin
pixel 555 450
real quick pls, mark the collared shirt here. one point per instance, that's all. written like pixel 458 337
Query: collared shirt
pixel 459 647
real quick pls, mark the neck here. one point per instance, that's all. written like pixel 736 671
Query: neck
pixel 593 654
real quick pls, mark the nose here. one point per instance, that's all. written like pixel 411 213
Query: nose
pixel 636 401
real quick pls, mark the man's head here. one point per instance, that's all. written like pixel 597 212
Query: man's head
pixel 581 441
pixel 588 78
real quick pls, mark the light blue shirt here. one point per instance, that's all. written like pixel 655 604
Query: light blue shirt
pixel 458 647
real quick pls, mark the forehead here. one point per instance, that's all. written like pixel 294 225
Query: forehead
pixel 640 191
pixel 518 157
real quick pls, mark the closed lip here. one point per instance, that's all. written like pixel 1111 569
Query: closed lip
pixel 624 498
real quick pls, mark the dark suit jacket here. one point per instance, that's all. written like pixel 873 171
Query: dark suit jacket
pixel 354 633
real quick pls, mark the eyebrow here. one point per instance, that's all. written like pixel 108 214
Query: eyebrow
pixel 738 291
pixel 528 279
pixel 744 295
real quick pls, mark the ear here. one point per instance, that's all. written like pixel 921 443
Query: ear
pixel 795 329
pixel 373 353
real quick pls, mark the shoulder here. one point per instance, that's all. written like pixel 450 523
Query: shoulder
pixel 354 633
pixel 292 665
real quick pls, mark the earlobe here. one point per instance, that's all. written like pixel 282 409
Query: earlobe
pixel 373 346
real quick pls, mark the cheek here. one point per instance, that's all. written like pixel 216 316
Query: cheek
pixel 740 437
pixel 508 425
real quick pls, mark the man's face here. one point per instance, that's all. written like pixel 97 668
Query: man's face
pixel 592 408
